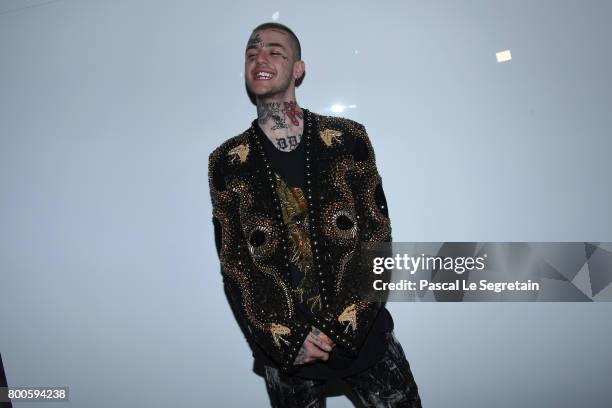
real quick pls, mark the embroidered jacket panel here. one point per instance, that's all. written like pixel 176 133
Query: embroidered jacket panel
pixel 346 206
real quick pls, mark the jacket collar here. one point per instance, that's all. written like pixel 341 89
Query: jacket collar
pixel 256 138
pixel 262 162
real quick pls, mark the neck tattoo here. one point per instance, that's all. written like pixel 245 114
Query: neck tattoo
pixel 281 115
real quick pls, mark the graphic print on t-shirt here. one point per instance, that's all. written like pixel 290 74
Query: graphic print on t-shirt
pixel 295 215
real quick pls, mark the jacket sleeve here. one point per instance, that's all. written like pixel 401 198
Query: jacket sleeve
pixel 279 335
pixel 354 310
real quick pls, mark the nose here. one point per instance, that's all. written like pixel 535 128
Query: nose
pixel 261 56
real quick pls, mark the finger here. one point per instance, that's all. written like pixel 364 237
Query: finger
pixel 319 342
pixel 310 348
pixel 315 353
pixel 324 356
pixel 318 333
pixel 325 338
pixel 319 355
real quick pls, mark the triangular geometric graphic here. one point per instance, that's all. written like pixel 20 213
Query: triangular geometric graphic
pixel 600 268
pixel 582 281
pixel 553 290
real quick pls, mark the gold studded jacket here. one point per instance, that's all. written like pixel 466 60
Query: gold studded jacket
pixel 347 206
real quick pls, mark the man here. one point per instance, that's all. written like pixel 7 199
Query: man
pixel 294 196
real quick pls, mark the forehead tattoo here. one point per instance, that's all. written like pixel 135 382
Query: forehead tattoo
pixel 256 42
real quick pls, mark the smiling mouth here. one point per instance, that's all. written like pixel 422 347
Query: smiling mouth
pixel 263 76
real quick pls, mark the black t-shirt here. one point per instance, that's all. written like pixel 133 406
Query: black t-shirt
pixel 289 173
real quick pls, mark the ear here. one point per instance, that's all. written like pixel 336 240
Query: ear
pixel 298 69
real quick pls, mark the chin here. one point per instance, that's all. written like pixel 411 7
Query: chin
pixel 260 91
pixel 266 93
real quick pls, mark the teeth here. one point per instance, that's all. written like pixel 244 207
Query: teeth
pixel 264 75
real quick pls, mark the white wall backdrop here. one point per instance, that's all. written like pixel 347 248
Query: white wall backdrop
pixel 109 109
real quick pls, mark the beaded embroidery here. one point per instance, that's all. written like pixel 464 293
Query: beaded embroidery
pixel 328 219
pixel 239 153
pixel 329 136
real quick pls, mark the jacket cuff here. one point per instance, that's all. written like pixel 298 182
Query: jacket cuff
pixel 299 332
pixel 280 339
pixel 349 323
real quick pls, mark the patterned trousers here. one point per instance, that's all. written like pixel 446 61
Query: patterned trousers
pixel 388 383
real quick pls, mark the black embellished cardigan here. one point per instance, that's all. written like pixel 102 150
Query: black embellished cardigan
pixel 346 205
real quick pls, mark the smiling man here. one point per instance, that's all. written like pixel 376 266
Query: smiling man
pixel 294 196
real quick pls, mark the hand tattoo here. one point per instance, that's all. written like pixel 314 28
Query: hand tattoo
pixel 320 339
pixel 301 355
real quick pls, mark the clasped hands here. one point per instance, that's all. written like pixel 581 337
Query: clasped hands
pixel 316 346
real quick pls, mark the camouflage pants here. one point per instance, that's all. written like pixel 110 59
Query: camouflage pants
pixel 388 383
